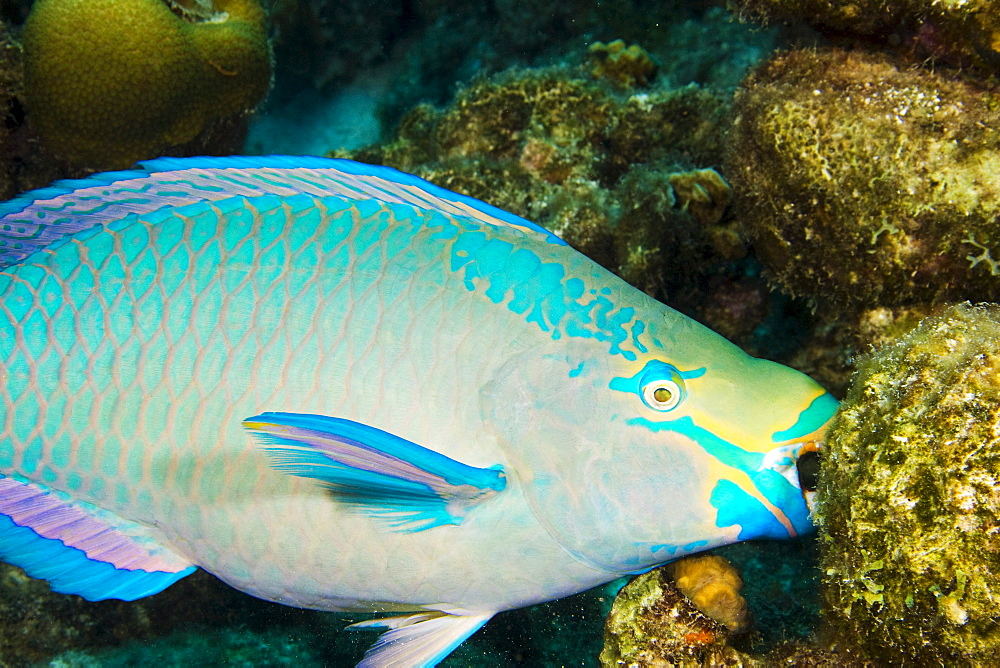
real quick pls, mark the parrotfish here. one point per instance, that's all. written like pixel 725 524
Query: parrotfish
pixel 340 387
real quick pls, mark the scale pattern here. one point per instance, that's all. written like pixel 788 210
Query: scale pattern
pixel 133 351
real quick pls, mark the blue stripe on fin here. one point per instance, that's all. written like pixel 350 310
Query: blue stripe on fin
pixel 79 552
pixel 378 472
pixel 33 220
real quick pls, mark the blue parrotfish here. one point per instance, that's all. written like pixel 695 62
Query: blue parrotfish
pixel 341 387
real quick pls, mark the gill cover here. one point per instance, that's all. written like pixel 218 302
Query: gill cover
pixel 617 466
pixel 605 496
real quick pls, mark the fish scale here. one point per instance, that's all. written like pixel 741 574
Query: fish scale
pixel 338 386
pixel 175 475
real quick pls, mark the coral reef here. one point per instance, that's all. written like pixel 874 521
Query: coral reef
pixel 861 181
pixel 627 66
pixel 605 170
pixel 426 42
pixel 652 623
pixel 23 163
pixel 837 340
pixel 713 585
pixel 965 33
pixel 909 496
pixel 424 46
pixel 859 16
pixel 145 79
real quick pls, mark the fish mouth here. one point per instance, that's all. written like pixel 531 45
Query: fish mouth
pixel 808 456
pixel 807 453
pixel 807 465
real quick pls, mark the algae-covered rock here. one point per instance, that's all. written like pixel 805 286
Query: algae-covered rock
pixel 862 181
pixel 606 169
pixel 856 16
pixel 627 66
pixel 962 33
pixel 110 82
pixel 653 624
pixel 909 496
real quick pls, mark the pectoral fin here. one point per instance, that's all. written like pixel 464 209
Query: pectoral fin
pixel 378 472
pixel 420 640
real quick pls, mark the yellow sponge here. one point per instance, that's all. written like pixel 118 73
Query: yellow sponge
pixel 713 585
pixel 109 82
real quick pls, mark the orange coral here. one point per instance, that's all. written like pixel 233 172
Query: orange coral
pixel 713 585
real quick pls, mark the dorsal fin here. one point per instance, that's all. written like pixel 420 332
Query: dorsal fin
pixel 39 218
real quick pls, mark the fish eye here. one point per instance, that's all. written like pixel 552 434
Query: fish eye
pixel 662 388
pixel 808 467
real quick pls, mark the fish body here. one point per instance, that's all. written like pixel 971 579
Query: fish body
pixel 340 387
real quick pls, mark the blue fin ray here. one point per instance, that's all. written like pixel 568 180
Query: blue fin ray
pixel 411 486
pixel 80 549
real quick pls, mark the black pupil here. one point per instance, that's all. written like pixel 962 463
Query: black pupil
pixel 808 466
pixel 661 394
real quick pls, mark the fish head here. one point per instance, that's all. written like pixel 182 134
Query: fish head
pixel 635 456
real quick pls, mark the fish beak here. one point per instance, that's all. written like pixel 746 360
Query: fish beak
pixel 808 461
pixel 803 455
pixel 807 464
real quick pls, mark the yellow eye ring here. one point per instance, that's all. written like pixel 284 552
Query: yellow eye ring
pixel 662 387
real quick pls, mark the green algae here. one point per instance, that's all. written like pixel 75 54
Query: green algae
pixel 909 496
pixel 862 180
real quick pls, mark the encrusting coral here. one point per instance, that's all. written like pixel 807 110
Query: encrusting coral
pixel 627 66
pixel 652 623
pixel 864 181
pixel 909 496
pixel 109 82
pixel 609 170
pixel 963 34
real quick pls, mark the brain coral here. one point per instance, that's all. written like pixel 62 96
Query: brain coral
pixel 109 82
pixel 862 181
pixel 909 496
